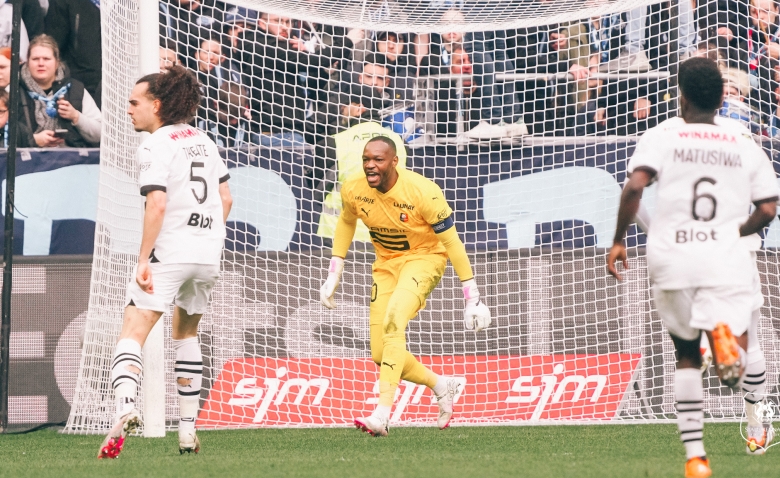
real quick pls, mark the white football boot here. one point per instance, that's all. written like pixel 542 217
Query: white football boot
pixel 372 425
pixel 115 440
pixel 188 442
pixel 446 402
pixel 759 438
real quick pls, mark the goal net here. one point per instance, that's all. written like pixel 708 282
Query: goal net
pixel 525 113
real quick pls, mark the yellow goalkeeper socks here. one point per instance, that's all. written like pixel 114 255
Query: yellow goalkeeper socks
pixel 393 358
pixel 416 372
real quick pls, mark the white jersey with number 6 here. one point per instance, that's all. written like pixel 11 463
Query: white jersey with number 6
pixel 707 176
pixel 183 162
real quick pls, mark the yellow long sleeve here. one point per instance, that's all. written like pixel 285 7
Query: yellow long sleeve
pixel 342 238
pixel 457 253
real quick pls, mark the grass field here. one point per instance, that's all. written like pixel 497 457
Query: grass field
pixel 577 451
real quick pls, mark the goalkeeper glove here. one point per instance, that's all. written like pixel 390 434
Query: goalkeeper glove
pixel 328 289
pixel 476 314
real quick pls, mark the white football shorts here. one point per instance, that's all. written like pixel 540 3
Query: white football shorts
pixel 687 311
pixel 186 285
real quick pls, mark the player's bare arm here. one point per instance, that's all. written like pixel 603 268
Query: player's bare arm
pixel 629 205
pixel 760 218
pixel 227 200
pixel 154 214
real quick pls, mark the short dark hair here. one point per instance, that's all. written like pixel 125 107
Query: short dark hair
pixel 383 139
pixel 4 97
pixel 177 90
pixel 392 36
pixel 701 83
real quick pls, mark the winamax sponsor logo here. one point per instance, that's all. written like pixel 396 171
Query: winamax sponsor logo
pixel 259 392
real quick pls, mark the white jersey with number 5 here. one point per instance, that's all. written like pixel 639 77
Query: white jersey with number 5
pixel 707 176
pixel 183 162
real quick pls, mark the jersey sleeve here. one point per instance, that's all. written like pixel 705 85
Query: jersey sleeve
pixel 647 154
pixel 348 210
pixel 435 209
pixel 154 163
pixel 763 183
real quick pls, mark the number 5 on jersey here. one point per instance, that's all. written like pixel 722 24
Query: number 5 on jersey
pixel 199 179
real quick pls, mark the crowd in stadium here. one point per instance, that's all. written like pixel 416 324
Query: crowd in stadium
pixel 279 81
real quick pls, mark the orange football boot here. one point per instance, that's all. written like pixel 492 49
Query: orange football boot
pixel 728 355
pixel 698 467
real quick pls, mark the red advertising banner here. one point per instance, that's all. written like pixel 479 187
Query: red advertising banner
pixel 262 392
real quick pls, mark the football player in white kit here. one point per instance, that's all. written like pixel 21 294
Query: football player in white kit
pixel 759 433
pixel 702 272
pixel 188 200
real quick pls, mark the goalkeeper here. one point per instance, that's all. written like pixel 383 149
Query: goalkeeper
pixel 413 233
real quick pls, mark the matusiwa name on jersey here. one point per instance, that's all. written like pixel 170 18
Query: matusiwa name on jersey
pixel 708 157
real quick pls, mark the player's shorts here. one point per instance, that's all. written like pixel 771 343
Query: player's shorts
pixel 418 274
pixel 687 311
pixel 186 285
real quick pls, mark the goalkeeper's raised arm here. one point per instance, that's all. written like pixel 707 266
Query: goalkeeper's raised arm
pixel 413 233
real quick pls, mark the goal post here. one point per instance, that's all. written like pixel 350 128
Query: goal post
pixel 524 113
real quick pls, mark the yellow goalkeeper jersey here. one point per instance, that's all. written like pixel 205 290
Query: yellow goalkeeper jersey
pixel 403 221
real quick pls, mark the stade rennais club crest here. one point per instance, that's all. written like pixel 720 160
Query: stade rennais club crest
pixel 251 392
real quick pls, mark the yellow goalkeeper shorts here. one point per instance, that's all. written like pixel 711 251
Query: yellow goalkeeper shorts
pixel 418 274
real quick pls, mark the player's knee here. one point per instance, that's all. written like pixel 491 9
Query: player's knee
pixel 390 326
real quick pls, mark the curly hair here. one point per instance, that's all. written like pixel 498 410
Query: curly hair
pixel 178 91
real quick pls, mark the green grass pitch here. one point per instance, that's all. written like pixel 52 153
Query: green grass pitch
pixel 556 451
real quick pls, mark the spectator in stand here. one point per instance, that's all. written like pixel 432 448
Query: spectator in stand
pixel 727 19
pixel 551 49
pixel 24 135
pixel 634 57
pixel 736 91
pixel 326 48
pixel 762 45
pixel 6 29
pixel 375 81
pixel 230 126
pixel 5 68
pixel 168 55
pixel 773 129
pixel 32 17
pixel 378 12
pixel 357 102
pixel 619 106
pixel 501 115
pixel 451 102
pixel 50 101
pixel 391 50
pixel 75 26
pixel 237 19
pixel 187 21
pixel 213 69
pixel 275 63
